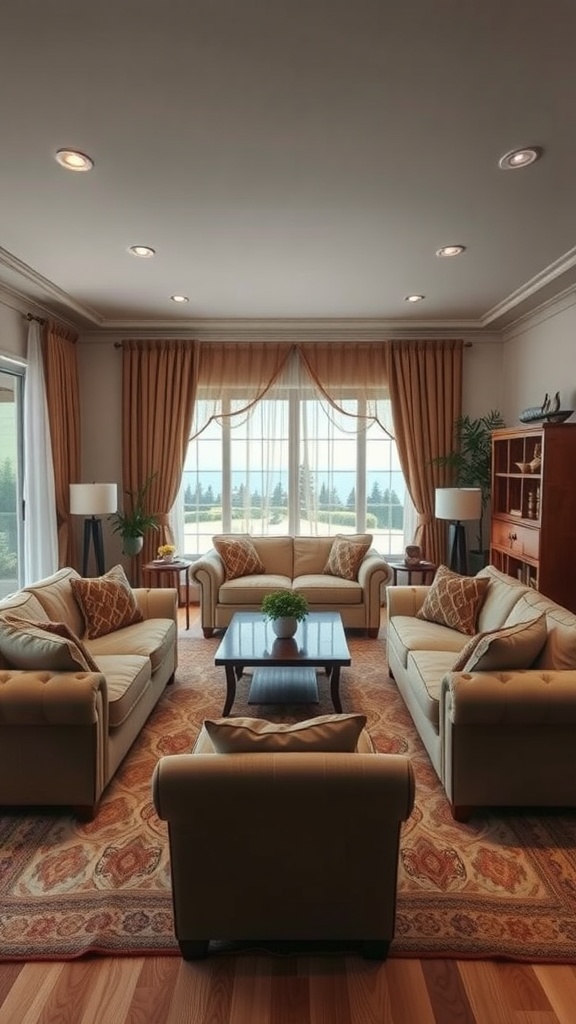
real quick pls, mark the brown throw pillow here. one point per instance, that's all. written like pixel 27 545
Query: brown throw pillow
pixel 502 650
pixel 325 734
pixel 346 554
pixel 454 600
pixel 37 646
pixel 238 554
pixel 106 602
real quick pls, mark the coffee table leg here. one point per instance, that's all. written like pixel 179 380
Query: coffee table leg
pixel 335 688
pixel 230 689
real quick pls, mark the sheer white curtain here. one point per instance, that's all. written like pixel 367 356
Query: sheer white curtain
pixel 40 525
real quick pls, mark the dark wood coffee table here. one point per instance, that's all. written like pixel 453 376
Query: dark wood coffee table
pixel 284 670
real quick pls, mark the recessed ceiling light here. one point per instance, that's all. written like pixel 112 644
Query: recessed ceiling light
pixel 73 160
pixel 180 298
pixel 413 298
pixel 144 251
pixel 451 250
pixel 517 158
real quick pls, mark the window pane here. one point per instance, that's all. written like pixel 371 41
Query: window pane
pixel 202 490
pixel 259 469
pixel 385 493
pixel 327 472
pixel 10 487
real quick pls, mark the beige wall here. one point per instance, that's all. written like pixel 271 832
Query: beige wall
pixel 13 331
pixel 539 356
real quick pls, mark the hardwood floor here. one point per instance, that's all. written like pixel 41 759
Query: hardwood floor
pixel 250 989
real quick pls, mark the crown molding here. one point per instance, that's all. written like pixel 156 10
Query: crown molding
pixel 549 309
pixel 46 288
pixel 535 284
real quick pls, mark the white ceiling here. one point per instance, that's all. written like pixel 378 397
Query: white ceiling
pixel 297 159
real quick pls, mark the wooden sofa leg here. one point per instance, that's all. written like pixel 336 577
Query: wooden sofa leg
pixel 193 949
pixel 208 632
pixel 373 632
pixel 461 812
pixel 375 949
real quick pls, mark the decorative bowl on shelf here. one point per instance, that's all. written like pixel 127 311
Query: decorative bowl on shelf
pixel 524 467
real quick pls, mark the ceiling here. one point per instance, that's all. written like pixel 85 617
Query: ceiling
pixel 301 159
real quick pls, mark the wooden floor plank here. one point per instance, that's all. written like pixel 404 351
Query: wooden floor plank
pixel 329 1000
pixel 153 992
pixel 446 992
pixel 115 980
pixel 409 998
pixel 251 991
pixel 290 994
pixel 521 988
pixel 203 992
pixel 369 998
pixel 487 999
pixel 559 984
pixel 29 993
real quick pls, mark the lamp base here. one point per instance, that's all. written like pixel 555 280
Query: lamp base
pixel 93 530
pixel 457 548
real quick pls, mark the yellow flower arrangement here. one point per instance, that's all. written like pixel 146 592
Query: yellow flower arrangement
pixel 166 551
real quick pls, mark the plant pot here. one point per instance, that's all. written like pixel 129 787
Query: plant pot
pixel 132 545
pixel 285 626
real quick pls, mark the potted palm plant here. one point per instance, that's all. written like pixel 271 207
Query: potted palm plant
pixel 133 524
pixel 471 464
pixel 285 609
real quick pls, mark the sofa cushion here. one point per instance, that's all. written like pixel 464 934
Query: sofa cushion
pixel 454 600
pixel 107 602
pixel 55 595
pixel 249 590
pixel 204 744
pixel 238 554
pixel 127 678
pixel 331 590
pixel 426 670
pixel 27 645
pixel 326 733
pixel 23 604
pixel 511 647
pixel 346 554
pixel 559 651
pixel 276 553
pixel 311 555
pixel 151 638
pixel 502 595
pixel 407 633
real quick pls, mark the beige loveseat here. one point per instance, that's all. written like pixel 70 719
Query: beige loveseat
pixel 64 733
pixel 498 737
pixel 292 563
pixel 310 838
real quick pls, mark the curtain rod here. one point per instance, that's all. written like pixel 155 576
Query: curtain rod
pixel 30 316
pixel 118 344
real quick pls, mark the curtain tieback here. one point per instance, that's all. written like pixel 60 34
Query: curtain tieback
pixel 425 518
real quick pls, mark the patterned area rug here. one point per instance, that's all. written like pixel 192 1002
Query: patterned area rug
pixel 502 886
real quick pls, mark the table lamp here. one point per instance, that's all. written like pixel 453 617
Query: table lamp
pixel 458 504
pixel 92 501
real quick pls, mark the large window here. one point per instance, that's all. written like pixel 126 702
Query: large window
pixel 11 525
pixel 291 465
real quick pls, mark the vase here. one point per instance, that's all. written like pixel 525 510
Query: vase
pixel 132 545
pixel 285 626
pixel 168 558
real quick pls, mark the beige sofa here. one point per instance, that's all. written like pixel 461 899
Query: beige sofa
pixel 310 840
pixel 292 563
pixel 499 737
pixel 64 733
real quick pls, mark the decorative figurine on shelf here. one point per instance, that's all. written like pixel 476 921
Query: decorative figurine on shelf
pixel 413 555
pixel 536 459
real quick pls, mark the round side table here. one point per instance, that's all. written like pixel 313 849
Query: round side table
pixel 423 569
pixel 167 574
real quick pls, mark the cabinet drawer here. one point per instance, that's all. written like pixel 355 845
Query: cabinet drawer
pixel 516 538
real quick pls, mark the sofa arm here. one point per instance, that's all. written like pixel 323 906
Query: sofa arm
pixel 52 698
pixel 157 602
pixel 522 697
pixel 208 573
pixel 405 600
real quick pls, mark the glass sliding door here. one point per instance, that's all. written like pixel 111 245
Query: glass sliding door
pixel 11 523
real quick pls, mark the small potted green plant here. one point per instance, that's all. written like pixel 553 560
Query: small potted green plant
pixel 285 609
pixel 133 525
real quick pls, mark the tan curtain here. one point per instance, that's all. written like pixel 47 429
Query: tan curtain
pixel 425 382
pixel 251 368
pixel 338 368
pixel 159 382
pixel 63 400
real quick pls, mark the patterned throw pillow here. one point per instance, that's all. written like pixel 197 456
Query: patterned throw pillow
pixel 106 602
pixel 346 554
pixel 238 554
pixel 326 734
pixel 454 600
pixel 39 646
pixel 502 650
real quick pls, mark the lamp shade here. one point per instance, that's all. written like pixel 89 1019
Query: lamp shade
pixel 93 499
pixel 458 503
